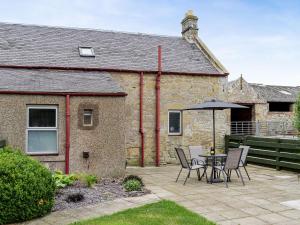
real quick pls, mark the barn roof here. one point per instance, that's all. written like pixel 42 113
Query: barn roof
pixel 32 45
pixel 24 80
pixel 273 93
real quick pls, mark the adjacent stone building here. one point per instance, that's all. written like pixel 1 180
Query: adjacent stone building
pixel 267 103
pixel 159 74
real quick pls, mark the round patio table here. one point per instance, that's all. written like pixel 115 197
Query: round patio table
pixel 213 159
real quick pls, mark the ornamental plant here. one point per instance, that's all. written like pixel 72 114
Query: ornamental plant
pixel 133 177
pixel 26 187
pixel 297 114
pixel 132 185
pixel 88 179
pixel 62 180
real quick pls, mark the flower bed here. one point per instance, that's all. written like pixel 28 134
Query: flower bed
pixel 104 190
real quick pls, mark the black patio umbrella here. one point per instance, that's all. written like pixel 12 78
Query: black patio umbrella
pixel 213 105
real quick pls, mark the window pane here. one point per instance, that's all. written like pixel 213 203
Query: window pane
pixel 87 117
pixel 174 122
pixel 42 117
pixel 42 141
pixel 86 51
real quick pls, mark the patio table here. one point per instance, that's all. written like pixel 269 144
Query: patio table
pixel 213 158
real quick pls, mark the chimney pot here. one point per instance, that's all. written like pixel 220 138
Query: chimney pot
pixel 189 26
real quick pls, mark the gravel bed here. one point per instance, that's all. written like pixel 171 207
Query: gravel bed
pixel 105 190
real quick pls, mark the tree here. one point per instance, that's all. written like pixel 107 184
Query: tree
pixel 297 114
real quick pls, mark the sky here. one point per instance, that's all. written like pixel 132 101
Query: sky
pixel 257 38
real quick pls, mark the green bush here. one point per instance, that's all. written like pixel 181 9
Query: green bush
pixel 26 187
pixel 63 180
pixel 132 185
pixel 133 177
pixel 87 179
pixel 90 180
pixel 297 114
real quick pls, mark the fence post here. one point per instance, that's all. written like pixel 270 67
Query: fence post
pixel 244 140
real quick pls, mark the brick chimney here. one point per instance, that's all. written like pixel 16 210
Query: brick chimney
pixel 189 26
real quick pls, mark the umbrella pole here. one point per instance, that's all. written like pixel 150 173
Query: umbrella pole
pixel 214 131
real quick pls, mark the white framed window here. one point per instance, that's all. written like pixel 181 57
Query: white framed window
pixel 42 130
pixel 86 51
pixel 87 117
pixel 175 122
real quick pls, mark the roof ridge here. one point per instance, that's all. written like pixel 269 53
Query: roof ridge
pixel 271 85
pixel 90 29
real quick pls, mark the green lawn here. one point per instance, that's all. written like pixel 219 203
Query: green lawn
pixel 160 213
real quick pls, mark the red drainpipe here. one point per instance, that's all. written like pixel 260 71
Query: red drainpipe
pixel 141 119
pixel 67 159
pixel 157 88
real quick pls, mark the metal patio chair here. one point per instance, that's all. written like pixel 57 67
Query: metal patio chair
pixel 195 152
pixel 232 163
pixel 244 158
pixel 186 165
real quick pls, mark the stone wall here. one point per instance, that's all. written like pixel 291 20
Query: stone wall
pixel 239 91
pixel 177 92
pixel 105 142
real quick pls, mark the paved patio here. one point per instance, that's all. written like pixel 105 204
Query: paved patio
pixel 263 200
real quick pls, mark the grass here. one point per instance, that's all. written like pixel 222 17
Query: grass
pixel 160 213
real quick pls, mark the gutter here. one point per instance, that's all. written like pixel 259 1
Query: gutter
pixel 112 70
pixel 117 94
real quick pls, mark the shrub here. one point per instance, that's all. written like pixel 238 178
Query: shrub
pixel 63 180
pixel 26 187
pixel 90 180
pixel 87 179
pixel 132 185
pixel 133 177
pixel 297 114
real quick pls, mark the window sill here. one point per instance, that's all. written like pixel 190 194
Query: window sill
pixel 42 154
pixel 175 135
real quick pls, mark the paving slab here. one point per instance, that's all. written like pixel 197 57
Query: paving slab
pixel 268 198
pixel 265 199
pixel 274 218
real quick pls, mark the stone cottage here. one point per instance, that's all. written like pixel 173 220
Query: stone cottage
pixel 266 103
pixel 44 69
pixel 62 118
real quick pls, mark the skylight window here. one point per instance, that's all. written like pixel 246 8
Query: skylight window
pixel 86 51
pixel 285 92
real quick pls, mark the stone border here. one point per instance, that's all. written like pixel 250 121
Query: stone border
pixel 68 216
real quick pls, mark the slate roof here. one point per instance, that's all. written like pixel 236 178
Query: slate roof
pixel 272 93
pixel 57 81
pixel 31 45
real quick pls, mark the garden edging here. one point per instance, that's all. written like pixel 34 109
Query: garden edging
pixel 68 216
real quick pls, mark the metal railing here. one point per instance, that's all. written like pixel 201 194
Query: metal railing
pixel 262 128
